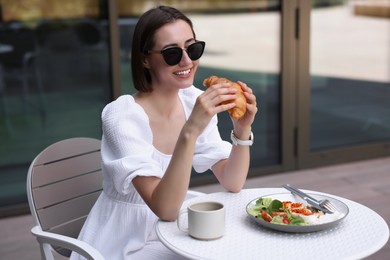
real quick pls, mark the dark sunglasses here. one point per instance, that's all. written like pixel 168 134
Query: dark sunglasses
pixel 172 56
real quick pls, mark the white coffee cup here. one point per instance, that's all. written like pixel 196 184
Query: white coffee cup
pixel 206 220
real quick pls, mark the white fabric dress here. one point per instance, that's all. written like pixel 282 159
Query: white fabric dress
pixel 121 225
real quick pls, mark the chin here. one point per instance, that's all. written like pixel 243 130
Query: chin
pixel 187 82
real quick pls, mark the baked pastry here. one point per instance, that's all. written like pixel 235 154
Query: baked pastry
pixel 239 110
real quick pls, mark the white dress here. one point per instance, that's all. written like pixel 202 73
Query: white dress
pixel 121 225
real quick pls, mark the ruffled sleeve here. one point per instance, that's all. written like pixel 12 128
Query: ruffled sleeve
pixel 209 147
pixel 127 143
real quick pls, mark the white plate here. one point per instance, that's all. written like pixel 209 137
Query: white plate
pixel 327 220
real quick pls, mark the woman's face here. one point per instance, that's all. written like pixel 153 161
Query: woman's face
pixel 181 75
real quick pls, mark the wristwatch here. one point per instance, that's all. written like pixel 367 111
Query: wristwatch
pixel 237 141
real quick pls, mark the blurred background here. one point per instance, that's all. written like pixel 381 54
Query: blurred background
pixel 320 71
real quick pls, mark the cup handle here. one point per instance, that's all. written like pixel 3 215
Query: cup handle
pixel 179 220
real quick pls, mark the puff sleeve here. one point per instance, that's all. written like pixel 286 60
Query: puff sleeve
pixel 127 144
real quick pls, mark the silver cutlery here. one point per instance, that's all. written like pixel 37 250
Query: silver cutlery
pixel 323 205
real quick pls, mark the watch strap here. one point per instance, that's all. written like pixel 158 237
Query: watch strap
pixel 237 141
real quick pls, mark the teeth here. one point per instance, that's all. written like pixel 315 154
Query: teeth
pixel 185 72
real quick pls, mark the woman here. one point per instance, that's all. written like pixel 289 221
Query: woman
pixel 152 139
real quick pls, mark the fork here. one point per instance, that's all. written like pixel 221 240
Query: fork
pixel 324 205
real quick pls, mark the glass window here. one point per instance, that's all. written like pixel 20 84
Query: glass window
pixel 54 81
pixel 350 74
pixel 245 45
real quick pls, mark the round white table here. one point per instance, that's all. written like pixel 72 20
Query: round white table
pixel 362 233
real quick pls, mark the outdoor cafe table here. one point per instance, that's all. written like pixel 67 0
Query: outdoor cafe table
pixel 362 233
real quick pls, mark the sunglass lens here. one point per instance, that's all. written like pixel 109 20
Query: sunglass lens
pixel 172 56
pixel 195 50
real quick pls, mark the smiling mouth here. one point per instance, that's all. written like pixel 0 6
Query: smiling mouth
pixel 183 72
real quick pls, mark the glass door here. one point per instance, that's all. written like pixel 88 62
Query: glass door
pixel 245 45
pixel 345 98
pixel 54 81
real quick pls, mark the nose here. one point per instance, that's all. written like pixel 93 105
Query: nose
pixel 185 59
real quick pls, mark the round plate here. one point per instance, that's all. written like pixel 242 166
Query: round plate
pixel 327 220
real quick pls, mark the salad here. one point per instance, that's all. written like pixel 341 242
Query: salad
pixel 285 212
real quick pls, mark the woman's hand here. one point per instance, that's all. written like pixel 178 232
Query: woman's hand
pixel 243 125
pixel 210 103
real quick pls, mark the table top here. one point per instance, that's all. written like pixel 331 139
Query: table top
pixel 362 233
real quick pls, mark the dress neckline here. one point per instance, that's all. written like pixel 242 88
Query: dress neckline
pixel 146 115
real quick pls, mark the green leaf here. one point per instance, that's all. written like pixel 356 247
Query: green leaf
pixel 263 203
pixel 297 221
pixel 274 206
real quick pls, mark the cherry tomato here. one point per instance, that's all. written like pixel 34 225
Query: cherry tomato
pixel 266 216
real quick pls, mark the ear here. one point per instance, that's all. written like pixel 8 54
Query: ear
pixel 145 61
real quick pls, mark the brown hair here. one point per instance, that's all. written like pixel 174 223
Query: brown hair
pixel 143 41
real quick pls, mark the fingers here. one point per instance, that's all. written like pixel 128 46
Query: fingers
pixel 216 98
pixel 219 94
pixel 248 92
pixel 250 98
pixel 251 104
pixel 245 87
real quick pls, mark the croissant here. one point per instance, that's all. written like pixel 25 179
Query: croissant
pixel 239 110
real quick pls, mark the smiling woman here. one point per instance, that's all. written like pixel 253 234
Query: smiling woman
pixel 153 138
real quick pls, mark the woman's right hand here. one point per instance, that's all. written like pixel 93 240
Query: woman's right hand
pixel 210 103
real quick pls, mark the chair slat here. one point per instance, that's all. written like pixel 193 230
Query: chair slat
pixel 70 229
pixel 62 251
pixel 67 211
pixel 58 192
pixel 68 148
pixel 54 172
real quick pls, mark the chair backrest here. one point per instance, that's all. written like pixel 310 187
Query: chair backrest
pixel 63 183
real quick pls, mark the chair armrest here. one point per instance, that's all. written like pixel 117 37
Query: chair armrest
pixel 70 243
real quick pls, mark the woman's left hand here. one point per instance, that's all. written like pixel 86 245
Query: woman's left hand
pixel 245 122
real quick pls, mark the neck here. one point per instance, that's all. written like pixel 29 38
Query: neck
pixel 159 104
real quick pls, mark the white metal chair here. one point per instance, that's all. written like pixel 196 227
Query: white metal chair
pixel 63 183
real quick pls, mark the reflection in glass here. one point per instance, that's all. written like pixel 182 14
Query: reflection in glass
pixel 54 83
pixel 350 75
pixel 245 46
